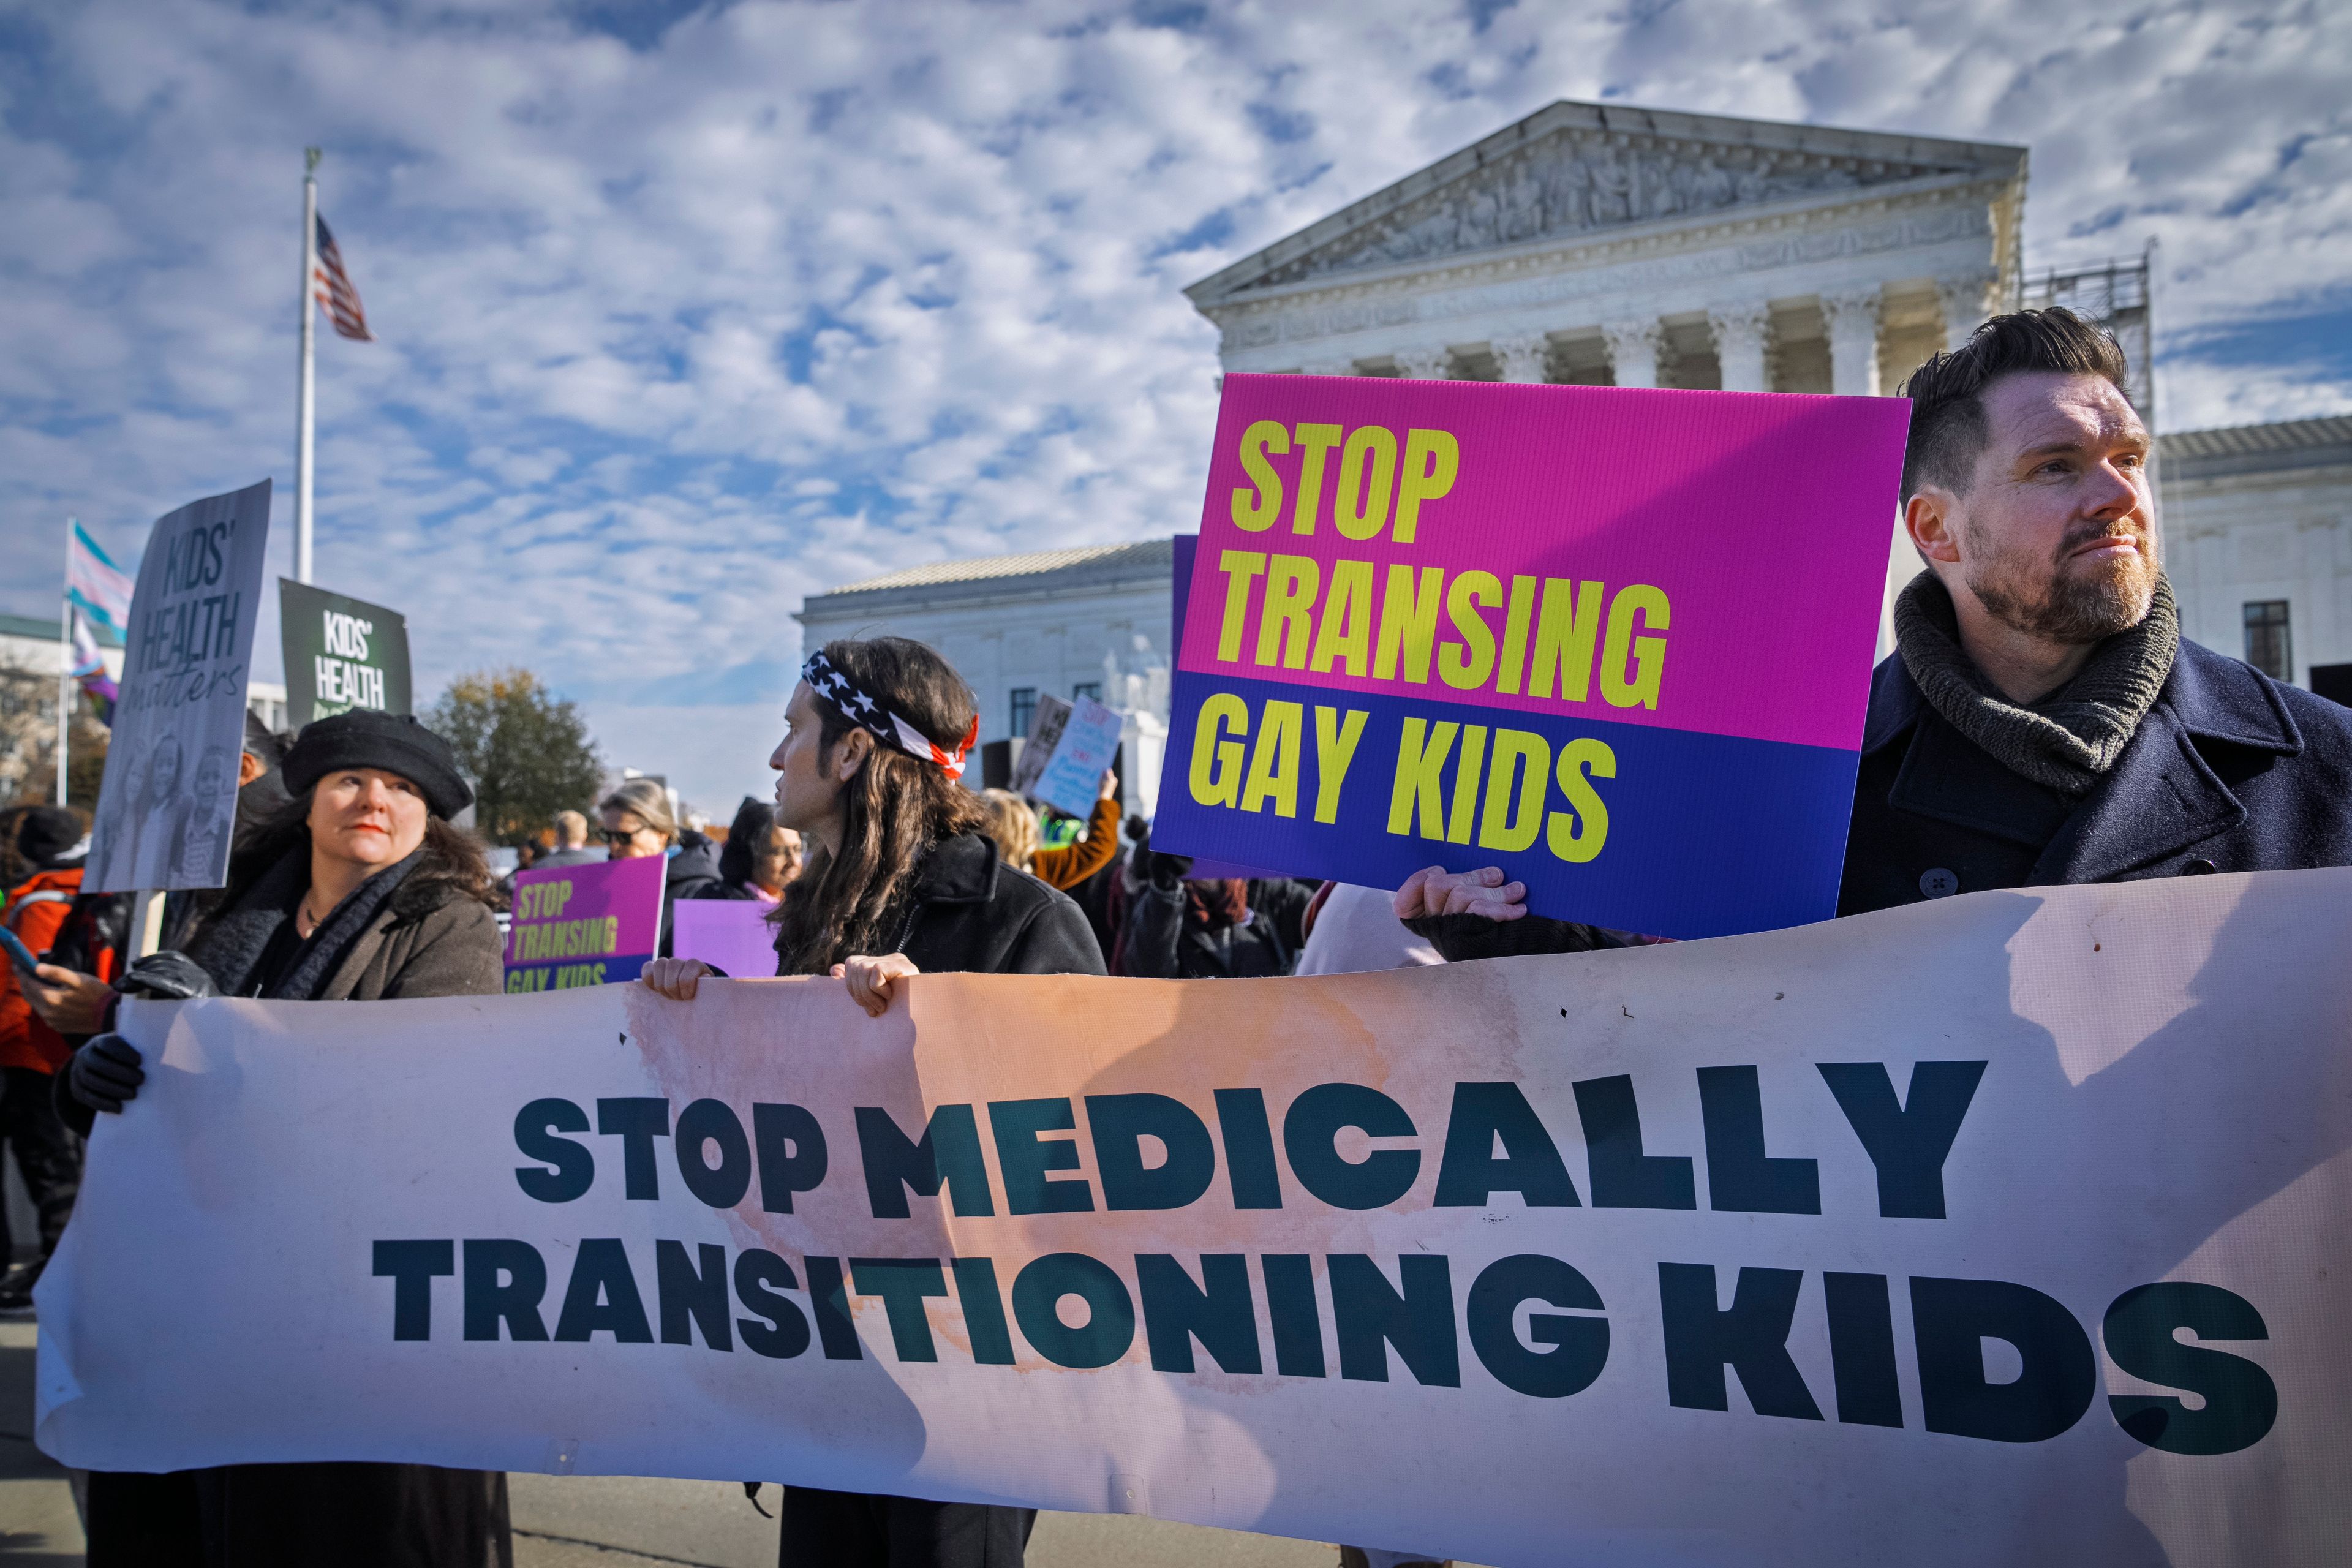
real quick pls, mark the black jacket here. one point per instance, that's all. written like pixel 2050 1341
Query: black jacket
pixel 973 915
pixel 693 873
pixel 2228 771
pixel 1163 945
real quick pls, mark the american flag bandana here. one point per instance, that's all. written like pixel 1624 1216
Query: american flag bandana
pixel 861 710
pixel 336 296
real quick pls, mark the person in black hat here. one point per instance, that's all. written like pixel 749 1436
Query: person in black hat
pixel 359 889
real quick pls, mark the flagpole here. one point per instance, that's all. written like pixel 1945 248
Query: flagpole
pixel 307 398
pixel 65 663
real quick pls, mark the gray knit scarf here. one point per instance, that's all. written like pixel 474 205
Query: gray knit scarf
pixel 2070 738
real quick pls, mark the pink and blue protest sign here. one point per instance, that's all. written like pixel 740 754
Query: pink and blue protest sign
pixel 596 924
pixel 1616 641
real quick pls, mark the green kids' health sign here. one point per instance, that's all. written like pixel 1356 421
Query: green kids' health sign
pixel 341 654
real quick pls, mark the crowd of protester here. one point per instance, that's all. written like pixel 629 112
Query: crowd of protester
pixel 2040 689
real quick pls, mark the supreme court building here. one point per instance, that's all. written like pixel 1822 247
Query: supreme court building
pixel 1602 244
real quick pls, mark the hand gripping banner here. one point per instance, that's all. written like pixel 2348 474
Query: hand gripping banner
pixel 2004 1228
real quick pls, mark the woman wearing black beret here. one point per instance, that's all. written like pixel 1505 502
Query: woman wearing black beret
pixel 359 889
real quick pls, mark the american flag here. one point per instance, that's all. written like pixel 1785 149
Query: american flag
pixel 337 298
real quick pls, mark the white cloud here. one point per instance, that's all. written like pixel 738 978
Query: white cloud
pixel 675 334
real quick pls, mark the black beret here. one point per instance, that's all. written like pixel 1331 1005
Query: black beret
pixel 46 833
pixel 393 742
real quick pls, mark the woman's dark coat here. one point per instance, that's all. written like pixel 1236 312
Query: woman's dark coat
pixel 429 938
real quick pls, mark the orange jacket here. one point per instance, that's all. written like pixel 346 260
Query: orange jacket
pixel 1066 869
pixel 34 912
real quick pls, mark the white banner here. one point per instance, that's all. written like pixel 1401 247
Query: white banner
pixel 2007 1228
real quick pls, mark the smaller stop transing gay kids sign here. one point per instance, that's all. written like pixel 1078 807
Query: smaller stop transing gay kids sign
pixel 1615 641
pixel 595 924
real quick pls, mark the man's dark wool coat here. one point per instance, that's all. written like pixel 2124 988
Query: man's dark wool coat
pixel 2228 771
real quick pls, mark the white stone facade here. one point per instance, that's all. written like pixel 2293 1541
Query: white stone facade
pixel 1054 621
pixel 2257 516
pixel 1604 245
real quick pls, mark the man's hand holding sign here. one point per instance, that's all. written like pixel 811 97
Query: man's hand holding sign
pixel 1615 643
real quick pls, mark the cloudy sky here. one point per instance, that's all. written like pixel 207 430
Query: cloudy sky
pixel 688 311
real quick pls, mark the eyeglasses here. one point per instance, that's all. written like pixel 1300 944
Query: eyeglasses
pixel 619 835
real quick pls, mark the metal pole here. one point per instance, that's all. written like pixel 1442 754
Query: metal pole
pixel 307 398
pixel 65 663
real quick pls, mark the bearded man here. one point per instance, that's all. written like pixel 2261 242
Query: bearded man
pixel 2042 720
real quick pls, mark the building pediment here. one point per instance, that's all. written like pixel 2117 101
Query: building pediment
pixel 1573 169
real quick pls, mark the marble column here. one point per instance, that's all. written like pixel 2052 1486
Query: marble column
pixel 1739 334
pixel 1522 355
pixel 1634 346
pixel 1852 317
pixel 1967 301
pixel 1426 363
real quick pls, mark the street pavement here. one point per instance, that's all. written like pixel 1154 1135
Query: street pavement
pixel 617 1521
pixel 39 1526
pixel 611 1522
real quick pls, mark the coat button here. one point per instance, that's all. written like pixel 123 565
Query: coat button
pixel 2198 866
pixel 1942 884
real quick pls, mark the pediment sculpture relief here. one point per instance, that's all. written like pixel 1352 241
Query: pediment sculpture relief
pixel 1572 182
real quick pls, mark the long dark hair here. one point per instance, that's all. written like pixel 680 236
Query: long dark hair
pixel 893 812
pixel 452 866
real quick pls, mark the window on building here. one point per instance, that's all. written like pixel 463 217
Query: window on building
pixel 1086 688
pixel 1025 710
pixel 2268 645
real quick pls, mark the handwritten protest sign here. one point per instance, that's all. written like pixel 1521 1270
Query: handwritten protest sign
pixel 1037 747
pixel 340 652
pixel 595 924
pixel 1617 641
pixel 731 934
pixel 167 803
pixel 1069 773
pixel 1867 1242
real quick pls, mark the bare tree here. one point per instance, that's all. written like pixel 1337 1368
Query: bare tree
pixel 28 737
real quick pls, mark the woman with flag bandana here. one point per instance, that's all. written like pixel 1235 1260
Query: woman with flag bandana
pixel 901 879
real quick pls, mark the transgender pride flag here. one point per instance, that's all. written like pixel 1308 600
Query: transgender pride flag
pixel 89 668
pixel 98 587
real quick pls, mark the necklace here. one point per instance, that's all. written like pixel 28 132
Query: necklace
pixel 305 922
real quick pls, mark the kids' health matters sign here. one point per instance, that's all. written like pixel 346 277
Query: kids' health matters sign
pixel 596 924
pixel 2009 1228
pixel 340 652
pixel 1618 642
pixel 167 805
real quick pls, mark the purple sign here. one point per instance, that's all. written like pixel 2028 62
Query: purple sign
pixel 732 934
pixel 584 925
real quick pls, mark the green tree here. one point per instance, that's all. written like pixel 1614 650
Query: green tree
pixel 528 751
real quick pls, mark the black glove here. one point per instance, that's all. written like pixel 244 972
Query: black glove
pixel 105 1074
pixel 166 976
pixel 1168 871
